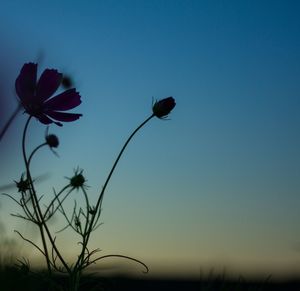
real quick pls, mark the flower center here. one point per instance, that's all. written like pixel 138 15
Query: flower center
pixel 34 109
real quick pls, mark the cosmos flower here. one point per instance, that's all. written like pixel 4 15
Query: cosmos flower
pixel 163 107
pixel 35 96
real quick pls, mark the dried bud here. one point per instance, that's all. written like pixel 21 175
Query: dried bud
pixel 78 180
pixel 66 82
pixel 52 140
pixel 163 107
pixel 22 185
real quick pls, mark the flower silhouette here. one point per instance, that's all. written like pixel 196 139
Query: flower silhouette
pixel 35 95
pixel 52 140
pixel 163 107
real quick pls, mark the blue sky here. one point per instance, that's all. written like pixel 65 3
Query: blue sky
pixel 215 186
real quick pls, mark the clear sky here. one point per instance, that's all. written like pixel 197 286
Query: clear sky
pixel 217 185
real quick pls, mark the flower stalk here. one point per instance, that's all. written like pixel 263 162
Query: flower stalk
pixel 37 210
pixel 100 198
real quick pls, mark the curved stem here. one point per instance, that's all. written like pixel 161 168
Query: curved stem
pixel 37 209
pixel 30 241
pixel 86 239
pixel 34 151
pixel 69 221
pixel 33 198
pixel 118 158
pixel 9 121
pixel 124 257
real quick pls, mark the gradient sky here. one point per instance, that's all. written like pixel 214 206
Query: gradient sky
pixel 217 185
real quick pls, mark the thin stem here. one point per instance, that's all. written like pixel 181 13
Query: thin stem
pixel 10 120
pixel 56 198
pixel 87 219
pixel 121 256
pixel 34 199
pixel 118 158
pixel 69 221
pixel 38 211
pixel 34 151
pixel 86 239
pixel 8 195
pixel 24 202
pixel 23 217
pixel 29 241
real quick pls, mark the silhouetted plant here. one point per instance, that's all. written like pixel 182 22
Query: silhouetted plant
pixel 37 101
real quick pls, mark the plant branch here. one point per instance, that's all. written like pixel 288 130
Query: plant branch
pixel 121 256
pixel 31 242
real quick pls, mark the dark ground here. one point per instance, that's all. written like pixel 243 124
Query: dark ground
pixel 203 285
pixel 11 279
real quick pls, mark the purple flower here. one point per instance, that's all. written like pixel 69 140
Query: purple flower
pixel 163 107
pixel 35 96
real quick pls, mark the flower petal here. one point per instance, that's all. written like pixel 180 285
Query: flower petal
pixel 26 82
pixel 63 116
pixel 64 101
pixel 48 84
pixel 44 119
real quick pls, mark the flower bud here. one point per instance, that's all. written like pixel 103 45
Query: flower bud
pixel 163 107
pixel 52 140
pixel 22 185
pixel 78 180
pixel 66 82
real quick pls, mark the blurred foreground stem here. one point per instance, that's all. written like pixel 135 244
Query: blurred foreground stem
pixel 10 120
